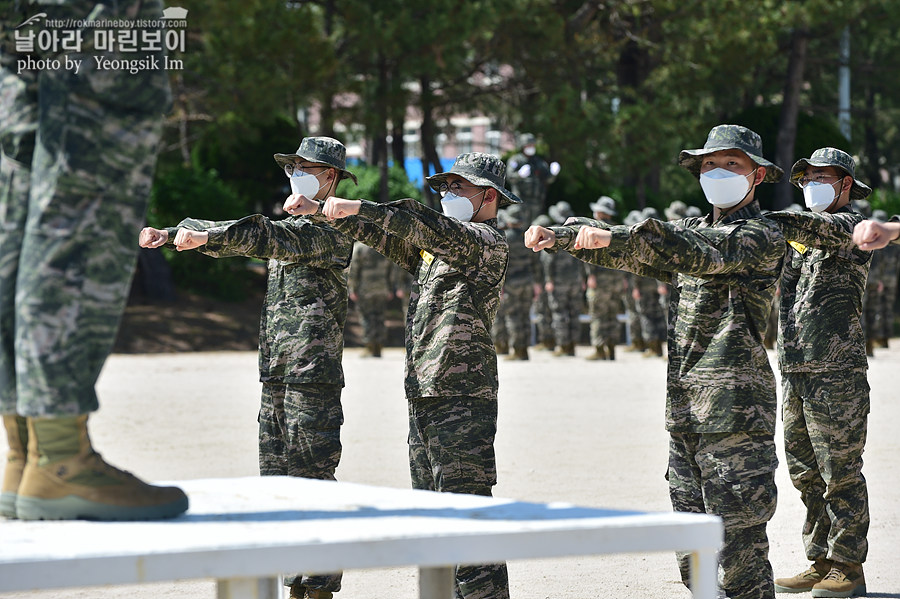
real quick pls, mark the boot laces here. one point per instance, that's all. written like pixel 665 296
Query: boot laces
pixel 836 573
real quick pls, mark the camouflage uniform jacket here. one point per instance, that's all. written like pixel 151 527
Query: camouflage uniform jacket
pixel 821 292
pixel 459 269
pixel 301 329
pixel 723 277
pixel 370 273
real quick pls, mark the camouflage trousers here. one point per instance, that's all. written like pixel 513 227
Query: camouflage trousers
pixel 300 435
pixel 451 450
pixel 634 319
pixel 499 330
pixel 652 315
pixel 371 310
pixel 603 306
pixel 730 475
pixel 77 155
pixel 825 422
pixel 566 304
pixel 543 317
pixel 516 307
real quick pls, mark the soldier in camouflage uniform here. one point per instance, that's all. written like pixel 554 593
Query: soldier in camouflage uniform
pixel 636 335
pixel 460 260
pixel 371 288
pixel 522 276
pixel 821 352
pixel 564 284
pixel 301 333
pixel 77 153
pixel 543 317
pixel 650 302
pixel 529 176
pixel 721 396
pixel 881 292
pixel 603 294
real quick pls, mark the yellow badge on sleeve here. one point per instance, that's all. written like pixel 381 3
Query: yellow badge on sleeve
pixel 798 246
pixel 428 258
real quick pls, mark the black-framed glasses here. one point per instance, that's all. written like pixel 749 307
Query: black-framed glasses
pixel 819 178
pixel 290 167
pixel 456 188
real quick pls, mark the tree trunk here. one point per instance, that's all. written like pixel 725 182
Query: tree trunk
pixel 870 165
pixel 431 162
pixel 787 124
pixel 381 141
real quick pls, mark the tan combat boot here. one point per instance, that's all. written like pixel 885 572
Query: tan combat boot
pixel 518 353
pixel 637 345
pixel 65 479
pixel 17 436
pixel 843 580
pixel 654 349
pixel 598 354
pixel 501 347
pixel 804 581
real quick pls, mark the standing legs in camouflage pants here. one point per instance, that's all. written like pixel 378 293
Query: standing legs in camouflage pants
pixel 730 475
pixel 300 435
pixel 825 421
pixel 566 303
pixel 451 450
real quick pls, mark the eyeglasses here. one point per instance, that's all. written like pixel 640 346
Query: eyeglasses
pixel 456 188
pixel 818 178
pixel 290 167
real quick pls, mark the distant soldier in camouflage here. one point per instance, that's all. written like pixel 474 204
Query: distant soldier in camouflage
pixel 529 175
pixel 301 332
pixel 371 288
pixel 650 303
pixel 543 317
pixel 77 155
pixel 460 259
pixel 881 293
pixel 603 294
pixel 564 284
pixel 721 389
pixel 821 353
pixel 522 275
pixel 629 293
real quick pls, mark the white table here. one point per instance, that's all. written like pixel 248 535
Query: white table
pixel 244 532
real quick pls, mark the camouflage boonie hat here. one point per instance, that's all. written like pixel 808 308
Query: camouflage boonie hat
pixel 836 158
pixel 527 139
pixel 880 215
pixel 650 212
pixel 676 210
pixel 730 137
pixel 561 211
pixel 692 212
pixel 634 217
pixel 542 220
pixel 324 150
pixel 604 204
pixel 863 207
pixel 483 170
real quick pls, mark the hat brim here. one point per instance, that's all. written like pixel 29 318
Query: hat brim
pixel 507 197
pixel 598 208
pixel 858 191
pixel 285 159
pixel 691 159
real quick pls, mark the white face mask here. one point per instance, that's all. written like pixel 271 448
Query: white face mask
pixel 723 188
pixel 305 184
pixel 528 150
pixel 819 196
pixel 457 207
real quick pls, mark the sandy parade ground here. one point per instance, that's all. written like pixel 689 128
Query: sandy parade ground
pixel 588 433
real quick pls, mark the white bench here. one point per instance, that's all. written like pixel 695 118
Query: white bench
pixel 245 532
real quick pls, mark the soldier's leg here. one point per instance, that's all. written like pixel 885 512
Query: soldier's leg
pixel 313 418
pixel 738 472
pixel 836 413
pixel 803 465
pixel 272 431
pixel 457 437
pixel 685 486
pixel 18 125
pixel 499 331
pixel 518 319
pixel 575 306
